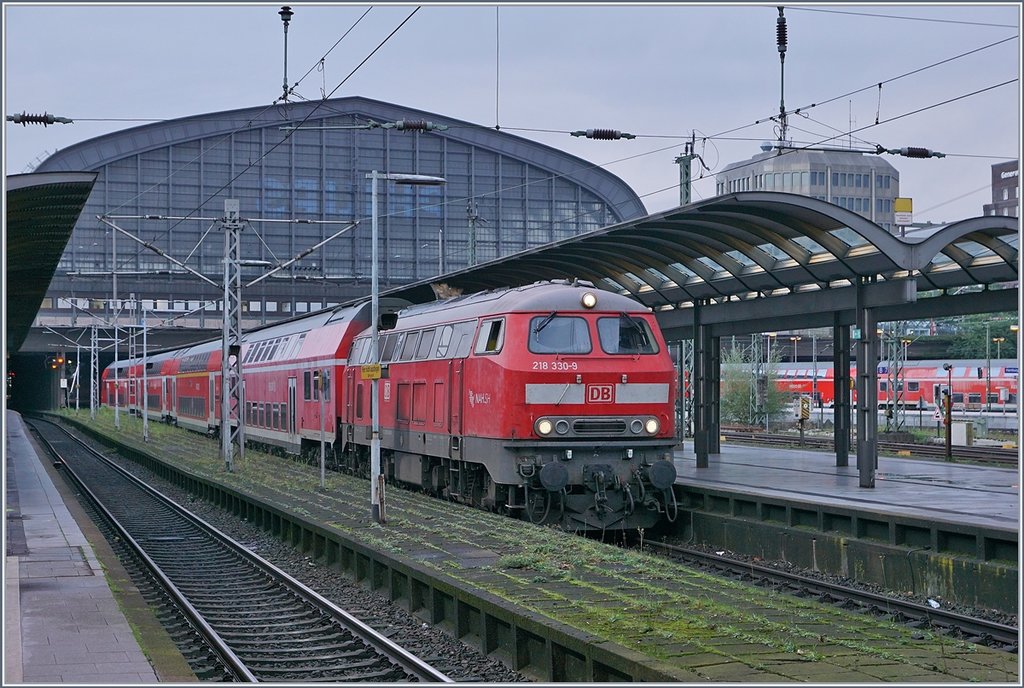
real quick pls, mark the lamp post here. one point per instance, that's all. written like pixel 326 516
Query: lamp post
pixel 949 410
pixel 795 339
pixel 814 376
pixel 999 346
pixel 376 482
pixel 145 382
pixel 988 364
pixel 114 314
pixel 767 377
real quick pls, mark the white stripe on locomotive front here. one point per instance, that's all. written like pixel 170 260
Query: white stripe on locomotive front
pixel 569 393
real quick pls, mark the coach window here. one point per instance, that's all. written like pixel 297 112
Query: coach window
pixel 491 337
pixel 275 424
pixel 327 384
pixel 307 386
pixel 553 334
pixel 316 385
pixel 625 335
pixel 426 341
pixel 913 386
pixel 391 344
pixel 355 356
pixel 412 340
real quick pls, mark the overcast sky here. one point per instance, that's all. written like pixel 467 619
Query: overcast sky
pixel 659 72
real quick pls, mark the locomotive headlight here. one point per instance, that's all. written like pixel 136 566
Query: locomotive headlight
pixel 588 300
pixel 544 427
pixel 636 426
pixel 562 427
pixel 652 426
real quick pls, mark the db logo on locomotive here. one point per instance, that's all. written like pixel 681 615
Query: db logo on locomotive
pixel 600 394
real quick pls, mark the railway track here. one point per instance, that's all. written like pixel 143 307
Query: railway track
pixel 1006 458
pixel 970 629
pixel 258 622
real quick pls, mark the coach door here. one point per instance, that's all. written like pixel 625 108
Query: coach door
pixel 291 405
pixel 212 416
pixel 455 406
pixel 165 397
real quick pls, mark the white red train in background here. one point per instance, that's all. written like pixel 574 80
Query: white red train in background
pixel 975 385
pixel 552 402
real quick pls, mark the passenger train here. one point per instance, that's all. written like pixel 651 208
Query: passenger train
pixel 976 384
pixel 552 402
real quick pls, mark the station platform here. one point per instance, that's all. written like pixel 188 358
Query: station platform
pixel 932 490
pixel 946 530
pixel 62 623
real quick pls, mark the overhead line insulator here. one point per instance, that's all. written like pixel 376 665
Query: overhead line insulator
pixel 415 125
pixel 44 119
pixel 780 32
pixel 911 152
pixel 603 134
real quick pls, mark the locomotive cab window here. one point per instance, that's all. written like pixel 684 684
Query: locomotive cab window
pixel 626 335
pixel 555 334
pixel 491 337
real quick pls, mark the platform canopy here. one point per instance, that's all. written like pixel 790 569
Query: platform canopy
pixel 753 245
pixel 41 211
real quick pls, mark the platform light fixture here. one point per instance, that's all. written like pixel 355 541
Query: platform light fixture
pixel 376 482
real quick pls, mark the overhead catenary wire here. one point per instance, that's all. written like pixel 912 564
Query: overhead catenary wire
pixel 798 8
pixel 287 136
pixel 704 140
pixel 319 64
pixel 788 151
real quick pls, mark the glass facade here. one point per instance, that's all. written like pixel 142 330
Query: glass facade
pixel 499 198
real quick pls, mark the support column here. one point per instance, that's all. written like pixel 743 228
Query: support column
pixel 841 391
pixel 715 395
pixel 232 435
pixel 686 386
pixel 700 389
pixel 94 372
pixel 867 391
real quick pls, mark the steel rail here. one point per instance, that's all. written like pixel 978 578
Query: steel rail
pixel 1004 635
pixel 210 636
pixel 412 665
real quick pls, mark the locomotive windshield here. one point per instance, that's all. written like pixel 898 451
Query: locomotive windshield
pixel 625 335
pixel 559 334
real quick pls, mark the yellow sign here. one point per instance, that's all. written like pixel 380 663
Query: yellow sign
pixel 903 209
pixel 805 408
pixel 370 371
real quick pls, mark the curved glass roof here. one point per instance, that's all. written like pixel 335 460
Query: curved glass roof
pixel 749 244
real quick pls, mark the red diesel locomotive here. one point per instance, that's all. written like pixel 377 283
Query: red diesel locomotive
pixel 552 402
